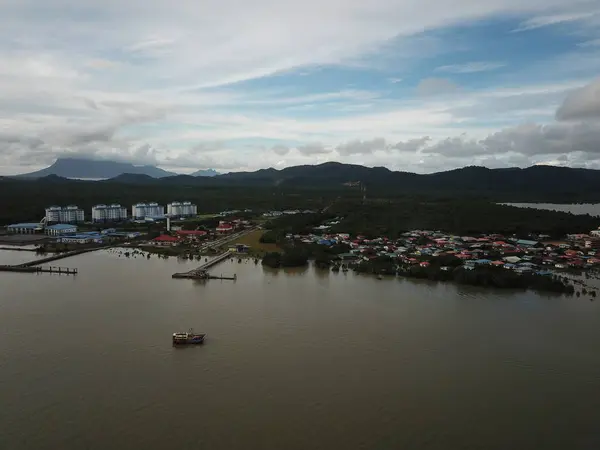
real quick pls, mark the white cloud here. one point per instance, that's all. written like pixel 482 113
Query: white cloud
pixel 553 19
pixel 362 147
pixel 436 86
pixel 583 103
pixel 471 67
pixel 131 80
pixel 590 43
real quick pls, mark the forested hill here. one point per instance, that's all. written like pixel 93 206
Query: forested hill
pixel 536 184
pixel 541 183
pixel 533 184
pixel 295 186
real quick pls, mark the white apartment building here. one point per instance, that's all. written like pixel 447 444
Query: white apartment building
pixel 143 210
pixel 109 213
pixel 66 214
pixel 182 209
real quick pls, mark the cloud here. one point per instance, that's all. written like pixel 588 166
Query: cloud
pixel 459 146
pixel 168 76
pixel 553 19
pixel 313 149
pixel 583 103
pixel 411 145
pixel 436 86
pixel 526 140
pixel 471 67
pixel 101 64
pixel 590 43
pixel 360 147
pixel 280 150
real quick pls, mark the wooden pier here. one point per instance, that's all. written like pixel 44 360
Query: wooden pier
pixel 64 255
pixel 37 269
pixel 201 273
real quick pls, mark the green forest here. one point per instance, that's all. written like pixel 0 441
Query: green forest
pixel 391 218
pixel 25 200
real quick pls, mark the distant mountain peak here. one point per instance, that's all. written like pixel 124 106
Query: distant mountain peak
pixel 205 173
pixel 78 167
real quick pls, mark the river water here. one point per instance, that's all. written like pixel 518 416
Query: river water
pixel 593 209
pixel 293 360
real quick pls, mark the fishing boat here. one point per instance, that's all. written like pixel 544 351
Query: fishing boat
pixel 188 338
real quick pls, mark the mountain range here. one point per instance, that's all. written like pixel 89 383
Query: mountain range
pixel 81 168
pixel 536 183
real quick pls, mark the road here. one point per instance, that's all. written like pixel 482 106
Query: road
pixel 226 239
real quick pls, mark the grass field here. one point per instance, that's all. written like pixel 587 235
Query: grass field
pixel 253 241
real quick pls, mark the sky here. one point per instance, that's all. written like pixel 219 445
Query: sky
pixel 419 86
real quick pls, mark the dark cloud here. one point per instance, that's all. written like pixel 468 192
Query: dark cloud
pixel 411 145
pixel 100 134
pixel 280 150
pixel 581 104
pixel 313 149
pixel 359 147
pixel 457 146
pixel 526 139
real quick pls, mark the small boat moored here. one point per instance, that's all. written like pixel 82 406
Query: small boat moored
pixel 188 338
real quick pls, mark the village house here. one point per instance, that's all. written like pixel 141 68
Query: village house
pixel 224 227
pixel 165 240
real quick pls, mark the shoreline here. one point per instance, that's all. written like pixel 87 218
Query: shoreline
pixel 567 277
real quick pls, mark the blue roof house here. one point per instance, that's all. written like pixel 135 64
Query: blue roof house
pixel 24 228
pixel 60 229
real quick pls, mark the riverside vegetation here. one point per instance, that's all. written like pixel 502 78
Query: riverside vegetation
pixel 372 220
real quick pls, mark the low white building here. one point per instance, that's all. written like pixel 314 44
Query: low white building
pixel 25 228
pixel 182 209
pixel 60 229
pixel 66 214
pixel 143 210
pixel 109 213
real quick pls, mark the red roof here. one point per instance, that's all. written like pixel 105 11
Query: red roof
pixel 165 238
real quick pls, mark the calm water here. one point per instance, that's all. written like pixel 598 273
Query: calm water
pixel 298 360
pixel 593 209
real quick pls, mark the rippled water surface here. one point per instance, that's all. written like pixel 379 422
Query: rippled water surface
pixel 293 360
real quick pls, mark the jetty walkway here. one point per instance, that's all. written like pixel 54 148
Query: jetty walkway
pixel 63 255
pixel 35 269
pixel 200 273
pixel 33 266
